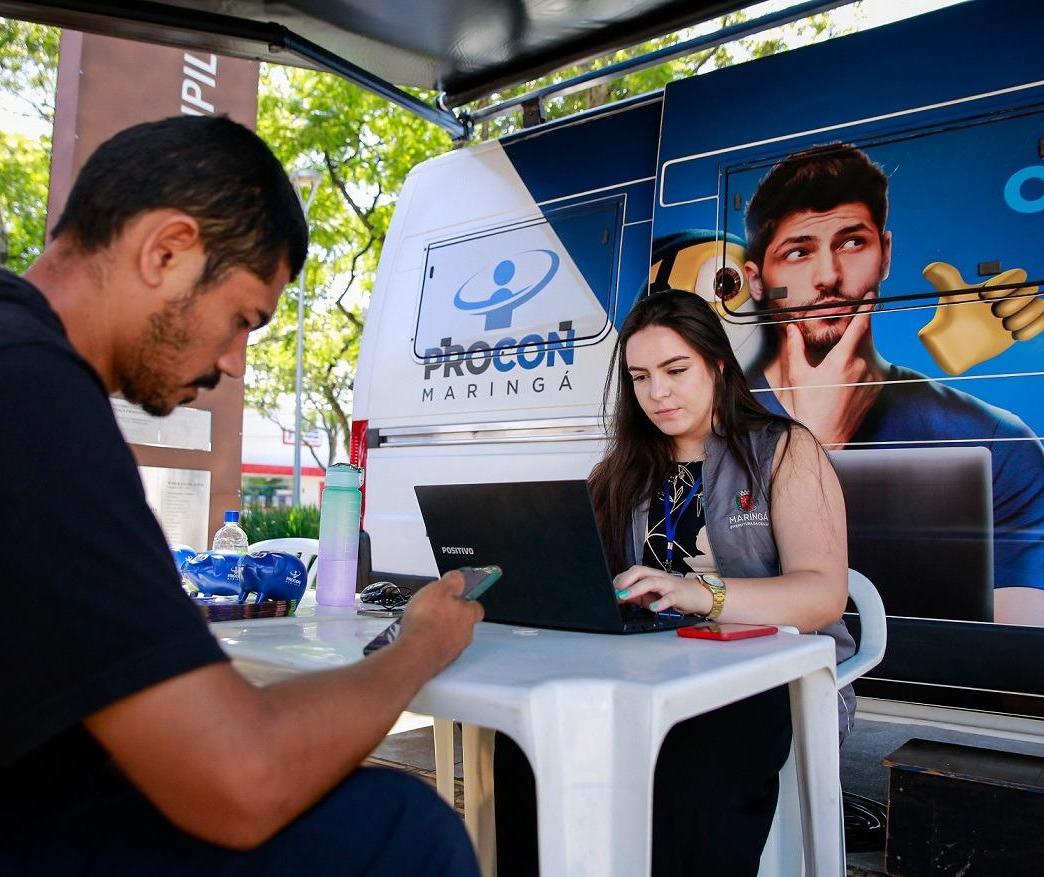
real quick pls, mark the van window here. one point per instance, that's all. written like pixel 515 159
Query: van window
pixel 523 288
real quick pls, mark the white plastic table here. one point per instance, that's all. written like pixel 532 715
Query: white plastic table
pixel 590 711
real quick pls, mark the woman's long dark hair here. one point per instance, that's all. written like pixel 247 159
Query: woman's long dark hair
pixel 640 457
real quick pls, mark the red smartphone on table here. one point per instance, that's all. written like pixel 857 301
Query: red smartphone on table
pixel 727 631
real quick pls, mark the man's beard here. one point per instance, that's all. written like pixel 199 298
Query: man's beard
pixel 822 334
pixel 151 378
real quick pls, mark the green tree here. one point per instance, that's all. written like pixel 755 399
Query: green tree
pixel 363 147
pixel 29 64
pixel 28 73
pixel 799 33
pixel 261 491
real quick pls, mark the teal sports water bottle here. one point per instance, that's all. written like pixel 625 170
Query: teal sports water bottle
pixel 339 536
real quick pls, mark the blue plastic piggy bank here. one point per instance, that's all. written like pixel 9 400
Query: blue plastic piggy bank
pixel 218 573
pixel 276 575
pixel 181 553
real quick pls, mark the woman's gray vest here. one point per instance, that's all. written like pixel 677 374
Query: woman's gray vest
pixel 740 532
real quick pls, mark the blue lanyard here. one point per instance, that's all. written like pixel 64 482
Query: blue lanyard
pixel 670 527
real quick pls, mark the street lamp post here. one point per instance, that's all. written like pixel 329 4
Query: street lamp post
pixel 306 184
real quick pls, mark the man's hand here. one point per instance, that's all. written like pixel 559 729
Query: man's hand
pixel 833 397
pixel 181 742
pixel 439 620
pixel 963 332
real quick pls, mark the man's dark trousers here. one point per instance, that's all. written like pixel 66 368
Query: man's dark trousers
pixel 377 823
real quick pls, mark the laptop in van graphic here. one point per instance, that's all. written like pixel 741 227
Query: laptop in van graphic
pixel 544 536
pixel 920 527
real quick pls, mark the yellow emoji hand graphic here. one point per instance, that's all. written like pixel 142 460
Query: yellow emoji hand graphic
pixel 967 329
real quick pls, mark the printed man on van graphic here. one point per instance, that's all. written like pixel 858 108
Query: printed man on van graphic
pixel 816 235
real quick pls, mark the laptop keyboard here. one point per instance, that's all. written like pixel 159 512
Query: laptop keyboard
pixel 637 619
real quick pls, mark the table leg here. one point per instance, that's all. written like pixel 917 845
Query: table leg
pixel 813 708
pixel 593 756
pixel 444 760
pixel 479 812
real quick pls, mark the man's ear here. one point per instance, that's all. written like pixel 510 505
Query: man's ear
pixel 169 244
pixel 886 254
pixel 753 273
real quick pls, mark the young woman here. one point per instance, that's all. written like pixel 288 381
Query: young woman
pixel 708 505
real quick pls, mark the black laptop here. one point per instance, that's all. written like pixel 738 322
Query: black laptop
pixel 543 535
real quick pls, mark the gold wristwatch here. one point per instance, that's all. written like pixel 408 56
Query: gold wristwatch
pixel 716 585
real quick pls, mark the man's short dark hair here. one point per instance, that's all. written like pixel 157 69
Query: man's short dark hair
pixel 217 171
pixel 817 179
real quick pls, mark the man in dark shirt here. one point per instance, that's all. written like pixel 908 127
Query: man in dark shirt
pixel 128 743
pixel 816 228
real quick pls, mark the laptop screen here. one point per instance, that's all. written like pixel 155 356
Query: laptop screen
pixel 542 534
pixel 920 524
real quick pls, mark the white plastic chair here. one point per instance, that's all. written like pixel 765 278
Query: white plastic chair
pixel 306 549
pixel 782 856
pixel 873 630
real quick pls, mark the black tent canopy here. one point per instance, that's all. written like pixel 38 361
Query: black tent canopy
pixel 462 49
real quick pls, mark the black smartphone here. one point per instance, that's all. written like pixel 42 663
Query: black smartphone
pixel 477 580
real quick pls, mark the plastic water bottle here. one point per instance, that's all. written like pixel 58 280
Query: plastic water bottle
pixel 231 537
pixel 339 536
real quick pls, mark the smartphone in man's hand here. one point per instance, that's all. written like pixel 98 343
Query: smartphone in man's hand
pixel 477 580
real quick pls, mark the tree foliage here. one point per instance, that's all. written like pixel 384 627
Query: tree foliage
pixel 28 73
pixel 363 149
pixel 799 33
pixel 29 64
pixel 25 166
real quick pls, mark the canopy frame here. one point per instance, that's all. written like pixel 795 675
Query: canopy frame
pixel 193 28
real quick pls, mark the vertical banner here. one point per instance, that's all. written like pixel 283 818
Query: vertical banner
pixel 104 86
